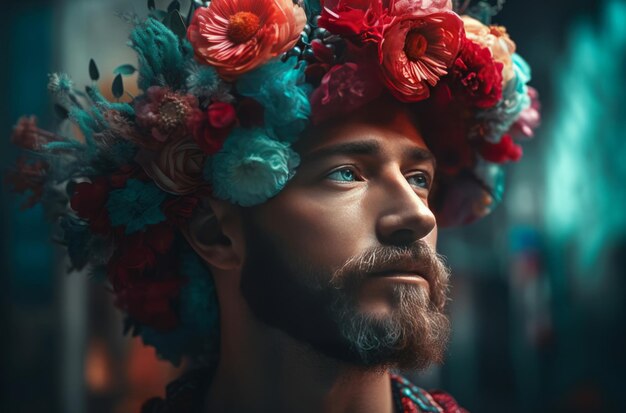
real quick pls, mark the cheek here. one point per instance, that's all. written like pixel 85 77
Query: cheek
pixel 325 230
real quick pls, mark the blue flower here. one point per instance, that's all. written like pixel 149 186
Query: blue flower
pixel 496 121
pixel 252 167
pixel 281 88
pixel 136 205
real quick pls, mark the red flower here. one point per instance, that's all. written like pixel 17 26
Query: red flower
pixel 476 76
pixel 417 51
pixel 343 89
pixel 160 237
pixel 360 20
pixel 28 176
pixel 131 260
pixel 179 209
pixel 27 135
pixel 504 151
pixel 211 128
pixel 321 52
pixel 89 201
pixel 151 302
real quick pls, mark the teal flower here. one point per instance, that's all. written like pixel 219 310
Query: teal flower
pixel 280 87
pixel 60 84
pixel 252 167
pixel 136 206
pixel 495 122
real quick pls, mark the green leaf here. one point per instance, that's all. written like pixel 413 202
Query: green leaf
pixel 175 5
pixel 94 73
pixel 60 111
pixel 151 5
pixel 118 86
pixel 176 24
pixel 125 70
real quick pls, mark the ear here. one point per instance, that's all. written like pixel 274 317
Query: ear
pixel 214 232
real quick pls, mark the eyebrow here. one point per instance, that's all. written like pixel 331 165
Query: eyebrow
pixel 369 148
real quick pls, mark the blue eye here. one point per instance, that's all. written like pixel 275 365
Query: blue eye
pixel 343 175
pixel 420 180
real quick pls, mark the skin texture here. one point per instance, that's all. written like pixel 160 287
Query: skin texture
pixel 363 184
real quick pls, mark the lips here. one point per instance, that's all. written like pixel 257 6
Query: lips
pixel 401 273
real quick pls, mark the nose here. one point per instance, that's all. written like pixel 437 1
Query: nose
pixel 404 216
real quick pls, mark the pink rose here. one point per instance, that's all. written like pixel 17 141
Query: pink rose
pixel 176 168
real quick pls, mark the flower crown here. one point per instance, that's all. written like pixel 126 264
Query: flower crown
pixel 225 92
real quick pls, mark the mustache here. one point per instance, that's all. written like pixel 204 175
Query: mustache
pixel 417 257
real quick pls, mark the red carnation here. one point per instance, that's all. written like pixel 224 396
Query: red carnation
pixel 476 76
pixel 504 151
pixel 360 20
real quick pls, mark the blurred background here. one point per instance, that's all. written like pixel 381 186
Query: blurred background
pixel 539 286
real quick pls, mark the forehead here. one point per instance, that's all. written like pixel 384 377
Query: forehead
pixel 386 124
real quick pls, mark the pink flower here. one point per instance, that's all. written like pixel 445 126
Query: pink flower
pixel 236 36
pixel 530 117
pixel 177 168
pixel 419 7
pixel 165 113
pixel 343 89
pixel 417 50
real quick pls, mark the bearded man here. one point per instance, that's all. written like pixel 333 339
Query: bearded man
pixel 268 207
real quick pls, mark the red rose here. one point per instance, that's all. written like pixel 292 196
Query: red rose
pixel 504 151
pixel 221 115
pixel 211 128
pixel 476 76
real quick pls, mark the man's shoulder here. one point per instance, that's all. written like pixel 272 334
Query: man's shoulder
pixel 412 399
pixel 186 394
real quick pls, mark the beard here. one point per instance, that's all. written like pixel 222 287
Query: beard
pixel 322 306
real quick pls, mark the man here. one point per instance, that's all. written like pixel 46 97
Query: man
pixel 326 286
pixel 305 154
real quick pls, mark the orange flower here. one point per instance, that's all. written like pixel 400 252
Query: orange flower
pixel 417 50
pixel 236 36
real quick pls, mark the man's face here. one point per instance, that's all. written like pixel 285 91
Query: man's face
pixel 343 258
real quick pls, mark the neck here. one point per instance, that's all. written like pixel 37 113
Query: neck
pixel 262 369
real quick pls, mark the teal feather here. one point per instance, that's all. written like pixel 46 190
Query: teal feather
pixel 162 56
